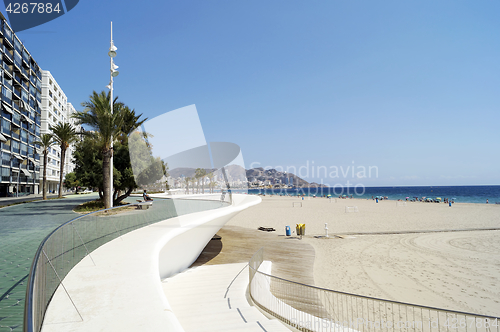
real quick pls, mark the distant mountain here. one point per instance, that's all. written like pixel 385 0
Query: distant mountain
pixel 260 174
pixel 254 175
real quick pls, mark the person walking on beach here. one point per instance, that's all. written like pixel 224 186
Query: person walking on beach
pixel 486 201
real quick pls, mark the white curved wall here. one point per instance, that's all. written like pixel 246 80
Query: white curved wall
pixel 180 248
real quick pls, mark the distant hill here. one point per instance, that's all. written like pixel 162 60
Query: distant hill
pixel 254 175
pixel 260 174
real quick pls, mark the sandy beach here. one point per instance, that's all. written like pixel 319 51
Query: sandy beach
pixel 421 253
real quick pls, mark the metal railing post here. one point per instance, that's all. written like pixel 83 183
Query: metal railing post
pixel 60 281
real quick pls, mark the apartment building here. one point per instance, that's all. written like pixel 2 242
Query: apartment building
pixel 20 116
pixel 55 109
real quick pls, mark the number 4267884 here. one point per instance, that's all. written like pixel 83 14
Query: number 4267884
pixel 32 7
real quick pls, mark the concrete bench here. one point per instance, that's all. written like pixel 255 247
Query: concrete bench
pixel 144 205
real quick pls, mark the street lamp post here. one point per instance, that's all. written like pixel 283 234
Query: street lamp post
pixel 114 73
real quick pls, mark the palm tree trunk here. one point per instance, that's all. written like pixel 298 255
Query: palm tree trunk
pixel 106 156
pixel 61 169
pixel 44 181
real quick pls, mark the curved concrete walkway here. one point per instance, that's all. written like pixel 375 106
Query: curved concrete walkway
pixel 123 290
pixel 213 298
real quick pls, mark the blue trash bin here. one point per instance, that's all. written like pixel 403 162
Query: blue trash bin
pixel 288 232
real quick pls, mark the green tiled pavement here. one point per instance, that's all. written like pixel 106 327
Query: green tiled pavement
pixel 22 228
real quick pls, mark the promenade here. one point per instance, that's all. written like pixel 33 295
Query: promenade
pixel 22 228
pixel 120 286
pixel 12 200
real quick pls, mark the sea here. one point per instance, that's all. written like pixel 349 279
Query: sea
pixel 459 194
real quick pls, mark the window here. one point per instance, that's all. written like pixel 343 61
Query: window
pixel 7 115
pixel 24 136
pixel 5 127
pixel 24 95
pixel 5 159
pixel 7 93
pixel 24 149
pixel 5 174
pixel 17 58
pixel 17 44
pixel 15 146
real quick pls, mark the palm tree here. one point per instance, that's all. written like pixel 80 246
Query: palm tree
pixel 187 179
pixel 200 174
pixel 97 115
pixel 45 142
pixel 130 123
pixel 210 186
pixel 64 134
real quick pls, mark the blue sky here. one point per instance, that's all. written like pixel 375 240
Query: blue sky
pixel 409 87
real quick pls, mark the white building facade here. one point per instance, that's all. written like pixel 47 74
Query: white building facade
pixel 55 109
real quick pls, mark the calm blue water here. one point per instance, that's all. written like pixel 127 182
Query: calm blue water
pixel 461 194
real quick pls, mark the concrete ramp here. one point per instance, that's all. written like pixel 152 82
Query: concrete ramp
pixel 213 298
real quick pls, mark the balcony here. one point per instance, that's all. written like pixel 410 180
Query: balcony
pixel 7 84
pixel 7 54
pixel 8 69
pixel 17 64
pixel 8 39
pixel 17 78
pixel 5 131
pixel 26 59
pixel 17 93
pixel 25 73
pixel 6 99
pixel 16 106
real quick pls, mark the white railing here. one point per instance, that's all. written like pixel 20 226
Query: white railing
pixel 309 308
